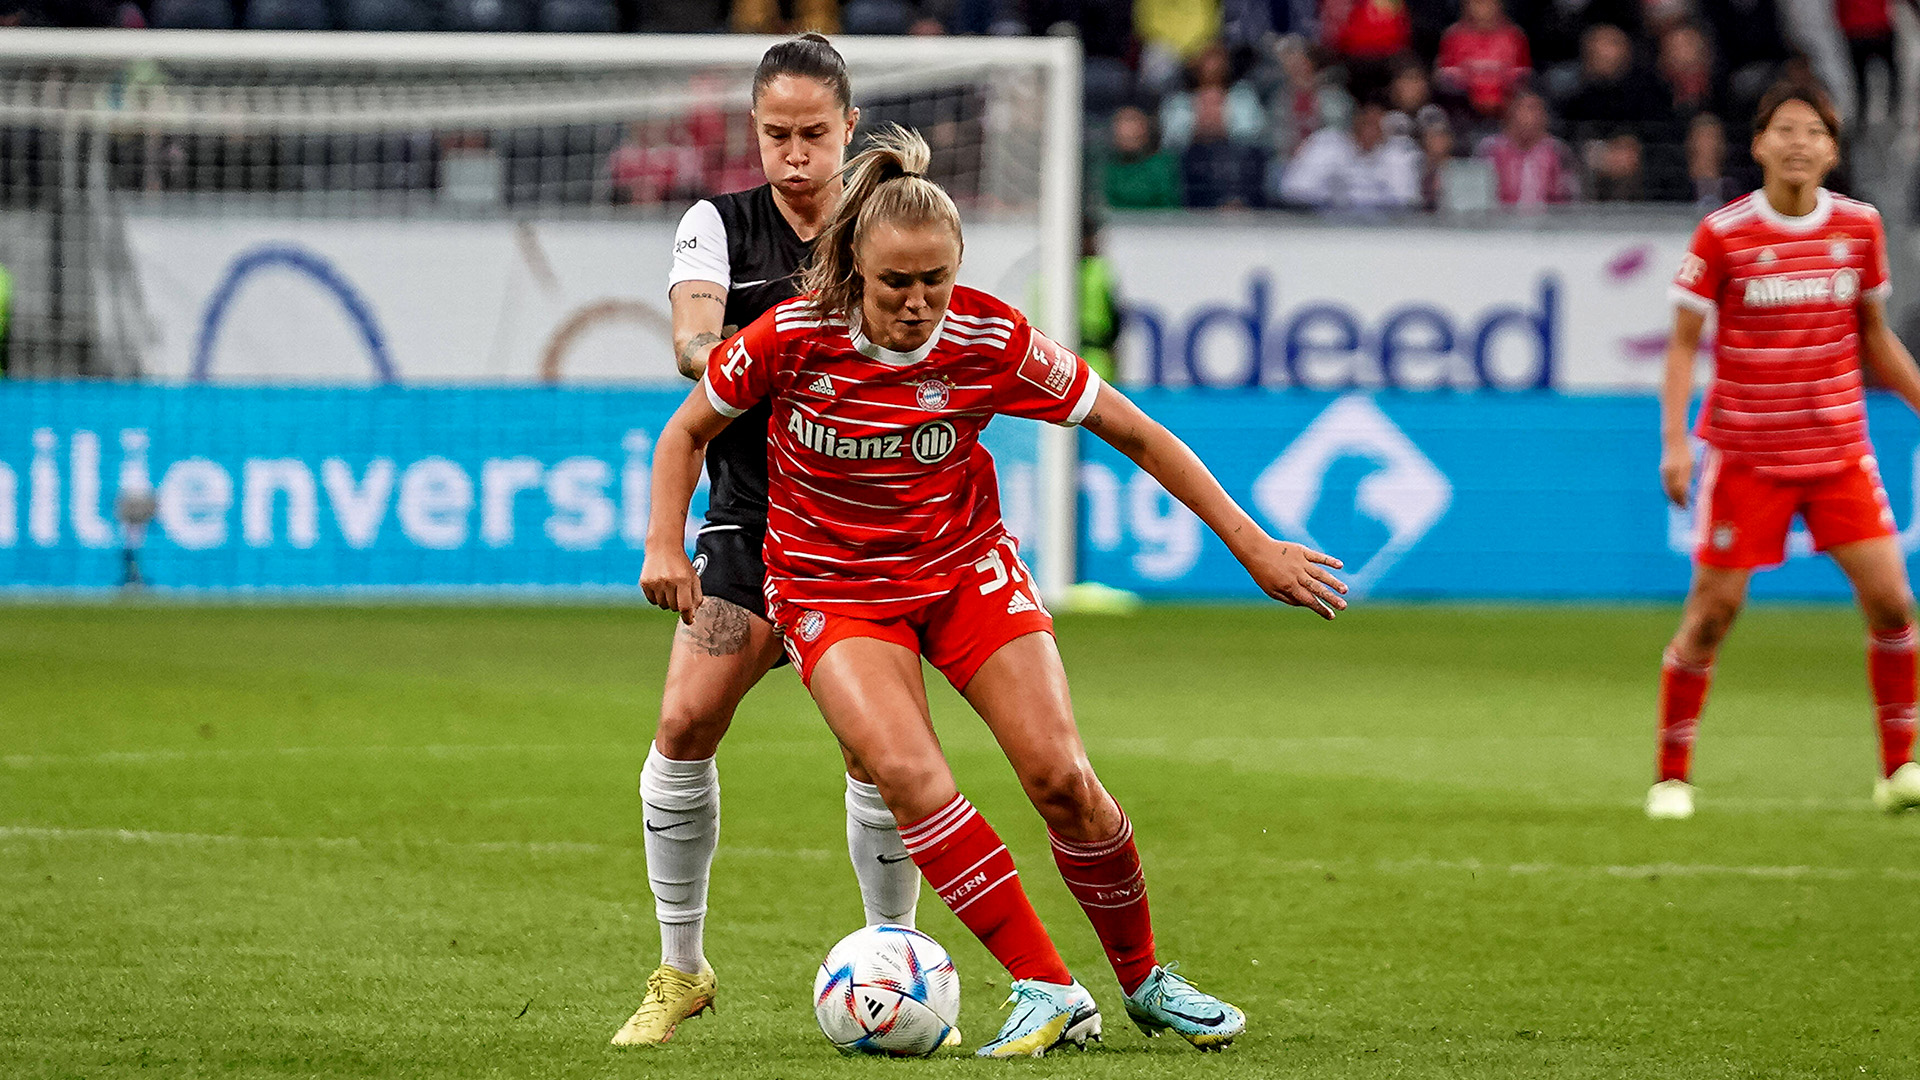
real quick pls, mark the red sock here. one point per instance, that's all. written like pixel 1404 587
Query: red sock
pixel 963 859
pixel 1683 690
pixel 1106 878
pixel 1890 671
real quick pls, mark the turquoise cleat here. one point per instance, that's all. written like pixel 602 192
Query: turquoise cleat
pixel 1045 1015
pixel 1167 1001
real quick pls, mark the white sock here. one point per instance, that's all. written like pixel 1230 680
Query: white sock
pixel 681 800
pixel 889 880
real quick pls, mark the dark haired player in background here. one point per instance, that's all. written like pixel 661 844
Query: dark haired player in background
pixel 736 256
pixel 1798 278
pixel 885 545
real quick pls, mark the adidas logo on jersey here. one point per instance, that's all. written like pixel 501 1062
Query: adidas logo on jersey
pixel 822 385
pixel 1020 603
pixel 1784 290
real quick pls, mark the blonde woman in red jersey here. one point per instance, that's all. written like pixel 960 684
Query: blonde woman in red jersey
pixel 885 544
pixel 1798 279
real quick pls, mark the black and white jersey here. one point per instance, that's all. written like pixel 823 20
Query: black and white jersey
pixel 742 242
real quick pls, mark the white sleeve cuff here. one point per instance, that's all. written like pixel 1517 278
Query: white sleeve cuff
pixel 719 405
pixel 1880 292
pixel 1687 298
pixel 1085 405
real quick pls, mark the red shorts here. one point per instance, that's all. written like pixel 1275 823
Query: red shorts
pixel 1744 516
pixel 957 632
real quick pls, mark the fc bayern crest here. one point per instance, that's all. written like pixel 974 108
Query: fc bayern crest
pixel 810 625
pixel 932 394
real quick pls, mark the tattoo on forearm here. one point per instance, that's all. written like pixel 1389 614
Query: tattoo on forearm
pixel 704 339
pixel 720 628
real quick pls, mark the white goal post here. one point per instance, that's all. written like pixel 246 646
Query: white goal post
pixel 103 133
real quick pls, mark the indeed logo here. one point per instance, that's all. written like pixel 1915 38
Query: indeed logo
pixel 1332 346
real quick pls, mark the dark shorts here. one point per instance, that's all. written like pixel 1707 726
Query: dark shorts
pixel 730 566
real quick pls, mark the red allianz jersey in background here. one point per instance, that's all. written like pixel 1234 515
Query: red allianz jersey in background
pixel 1785 418
pixel 880 497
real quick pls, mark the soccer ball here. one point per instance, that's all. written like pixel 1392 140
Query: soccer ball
pixel 887 990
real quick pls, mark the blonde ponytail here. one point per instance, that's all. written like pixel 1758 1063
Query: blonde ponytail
pixel 885 184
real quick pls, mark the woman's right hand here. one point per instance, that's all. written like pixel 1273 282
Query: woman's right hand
pixel 668 579
pixel 1676 470
pixel 1298 575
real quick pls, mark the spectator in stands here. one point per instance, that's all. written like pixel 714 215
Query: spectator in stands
pixel 1685 67
pixel 1214 168
pixel 1136 173
pixel 1171 33
pixel 1747 36
pixel 1531 168
pixel 1408 93
pixel 1361 168
pixel 1867 26
pixel 1105 31
pixel 785 16
pixel 1616 112
pixel 1482 58
pixel 1611 89
pixel 1556 29
pixel 1246 25
pixel 1211 73
pixel 1616 165
pixel 1707 163
pixel 1367 35
pixel 1436 154
pixel 649 168
pixel 1306 100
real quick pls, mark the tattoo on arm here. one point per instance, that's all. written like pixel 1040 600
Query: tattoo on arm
pixel 720 628
pixel 690 366
pixel 703 295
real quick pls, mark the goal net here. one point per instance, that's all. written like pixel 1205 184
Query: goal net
pixel 351 210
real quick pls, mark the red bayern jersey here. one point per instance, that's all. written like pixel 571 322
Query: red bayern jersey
pixel 1786 396
pixel 879 492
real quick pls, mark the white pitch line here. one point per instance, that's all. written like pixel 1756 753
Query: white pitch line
pixel 1383 866
pixel 145 757
pixel 527 847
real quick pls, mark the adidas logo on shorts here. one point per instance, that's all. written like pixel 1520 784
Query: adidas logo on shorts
pixel 1020 603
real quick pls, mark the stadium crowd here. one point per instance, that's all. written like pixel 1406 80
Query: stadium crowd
pixel 1337 105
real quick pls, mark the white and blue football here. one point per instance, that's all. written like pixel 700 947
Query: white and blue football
pixel 887 990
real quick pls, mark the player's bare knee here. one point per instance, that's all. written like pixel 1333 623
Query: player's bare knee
pixel 690 730
pixel 1888 612
pixel 1068 796
pixel 911 786
pixel 1709 618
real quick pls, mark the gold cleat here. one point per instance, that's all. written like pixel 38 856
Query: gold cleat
pixel 953 1037
pixel 672 996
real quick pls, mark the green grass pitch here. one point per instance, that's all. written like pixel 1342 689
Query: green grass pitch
pixel 266 841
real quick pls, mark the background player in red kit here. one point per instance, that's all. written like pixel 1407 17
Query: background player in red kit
pixel 1798 278
pixel 885 544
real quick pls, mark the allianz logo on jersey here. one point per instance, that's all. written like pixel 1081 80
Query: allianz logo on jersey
pixel 1787 290
pixel 1406 493
pixel 929 443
